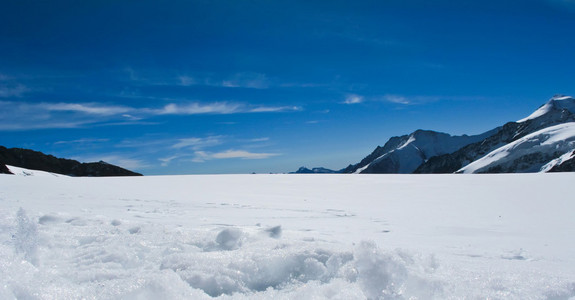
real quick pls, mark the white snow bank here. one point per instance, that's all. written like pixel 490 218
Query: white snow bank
pixel 287 237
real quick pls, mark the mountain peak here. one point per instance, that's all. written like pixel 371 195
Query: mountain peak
pixel 557 103
pixel 560 97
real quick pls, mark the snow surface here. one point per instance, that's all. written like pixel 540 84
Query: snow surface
pixel 507 236
pixel 558 138
pixel 556 103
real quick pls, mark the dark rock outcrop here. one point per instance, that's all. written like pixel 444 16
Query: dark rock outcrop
pixel 34 160
pixel 4 169
pixel 566 166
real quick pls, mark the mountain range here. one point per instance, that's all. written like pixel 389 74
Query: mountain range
pixel 542 142
pixel 34 160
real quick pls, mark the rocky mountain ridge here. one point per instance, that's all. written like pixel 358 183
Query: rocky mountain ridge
pixel 34 160
pixel 542 142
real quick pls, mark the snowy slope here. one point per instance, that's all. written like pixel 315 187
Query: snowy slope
pixel 533 153
pixel 27 172
pixel 554 105
pixel 558 110
pixel 288 237
pixel 414 149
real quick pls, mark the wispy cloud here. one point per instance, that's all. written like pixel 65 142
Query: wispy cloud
pixel 198 143
pixel 88 108
pixel 82 141
pixel 22 115
pixel 264 109
pixel 353 99
pixel 16 90
pixel 198 108
pixel 397 99
pixel 247 80
pixel 202 156
pixel 238 80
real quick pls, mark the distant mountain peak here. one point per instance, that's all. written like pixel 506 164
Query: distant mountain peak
pixel 319 170
pixel 557 104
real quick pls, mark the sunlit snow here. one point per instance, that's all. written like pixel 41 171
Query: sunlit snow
pixel 288 237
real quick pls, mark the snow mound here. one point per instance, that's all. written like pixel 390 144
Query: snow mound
pixel 101 257
pixel 531 153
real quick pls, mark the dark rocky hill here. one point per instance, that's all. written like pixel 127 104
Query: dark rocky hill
pixel 34 160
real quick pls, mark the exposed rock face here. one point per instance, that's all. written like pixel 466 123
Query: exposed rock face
pixel 35 160
pixel 556 111
pixel 4 169
pixel 566 166
pixel 405 153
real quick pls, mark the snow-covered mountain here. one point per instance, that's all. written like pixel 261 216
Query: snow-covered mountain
pixel 532 144
pixel 405 153
pixel 558 110
pixel 537 152
pixel 318 170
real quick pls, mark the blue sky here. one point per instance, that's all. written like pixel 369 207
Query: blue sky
pixel 188 87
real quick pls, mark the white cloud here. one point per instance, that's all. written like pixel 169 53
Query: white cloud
pixel 353 99
pixel 202 156
pixel 88 108
pixel 396 99
pixel 218 108
pixel 21 115
pixel 82 141
pixel 197 108
pixel 198 143
pixel 263 109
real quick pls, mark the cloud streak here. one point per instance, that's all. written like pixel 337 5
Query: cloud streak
pixel 24 116
pixel 202 156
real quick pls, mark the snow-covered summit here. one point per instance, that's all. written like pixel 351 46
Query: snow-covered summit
pixel 404 154
pixel 557 104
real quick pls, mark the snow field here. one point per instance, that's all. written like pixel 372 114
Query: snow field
pixel 287 237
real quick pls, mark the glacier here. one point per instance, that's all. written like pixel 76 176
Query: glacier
pixel 497 236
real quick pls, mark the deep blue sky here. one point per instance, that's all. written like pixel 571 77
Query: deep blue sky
pixel 184 87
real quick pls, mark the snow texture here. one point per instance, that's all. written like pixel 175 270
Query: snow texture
pixel 288 237
pixel 531 153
